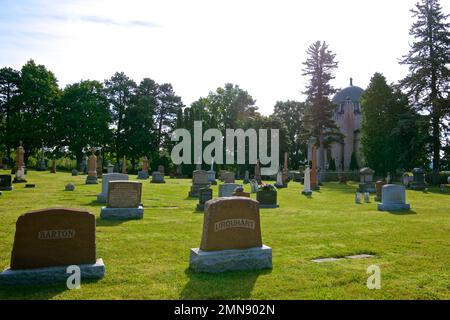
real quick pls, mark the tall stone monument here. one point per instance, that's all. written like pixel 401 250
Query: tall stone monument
pixel 314 181
pixel 231 238
pixel 307 182
pixel 143 174
pixel 124 165
pixel 285 170
pixel 20 165
pixel 258 172
pixel 212 174
pixel 92 169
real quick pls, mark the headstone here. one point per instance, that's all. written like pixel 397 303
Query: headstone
pixel 157 177
pixel 239 192
pixel 418 182
pixel 358 197
pixel 279 183
pixel 378 186
pixel 161 169
pixel 205 195
pixel 92 169
pixel 70 187
pixel 53 168
pixel 285 170
pixel 84 165
pixel 267 197
pixel 246 177
pixel 366 197
pixel 222 175
pixel 99 165
pixel 393 198
pixel 143 174
pixel 227 189
pixel 307 182
pixel 366 184
pixel 231 238
pixel 124 165
pixel 124 201
pixel 20 165
pixel 110 168
pixel 199 181
pixel 258 172
pixel 313 172
pixel 5 182
pixel 47 242
pixel 253 186
pixel 103 196
pixel 229 177
pixel 42 164
pixel 406 179
pixel 74 172
pixel 212 177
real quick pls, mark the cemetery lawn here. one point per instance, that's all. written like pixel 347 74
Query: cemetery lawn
pixel 148 259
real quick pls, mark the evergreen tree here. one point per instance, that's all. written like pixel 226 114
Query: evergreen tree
pixel 319 123
pixel 392 133
pixel 332 165
pixel 428 83
pixel 353 162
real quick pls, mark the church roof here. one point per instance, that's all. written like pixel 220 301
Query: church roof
pixel 352 93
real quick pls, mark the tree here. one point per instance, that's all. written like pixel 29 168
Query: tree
pixel 318 120
pixel 391 131
pixel 332 165
pixel 353 162
pixel 9 91
pixel 167 107
pixel 428 82
pixel 36 107
pixel 83 118
pixel 291 114
pixel 119 90
pixel 139 137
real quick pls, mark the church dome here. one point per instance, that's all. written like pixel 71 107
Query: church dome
pixel 352 93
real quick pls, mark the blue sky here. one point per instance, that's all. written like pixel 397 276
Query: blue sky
pixel 198 45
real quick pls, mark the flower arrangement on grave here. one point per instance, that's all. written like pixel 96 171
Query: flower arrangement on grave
pixel 266 187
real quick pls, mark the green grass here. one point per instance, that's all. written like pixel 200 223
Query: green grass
pixel 148 259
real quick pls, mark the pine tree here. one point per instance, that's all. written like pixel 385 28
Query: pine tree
pixel 332 165
pixel 428 82
pixel 353 162
pixel 319 123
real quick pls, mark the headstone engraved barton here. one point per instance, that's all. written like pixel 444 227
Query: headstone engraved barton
pixel 49 240
pixel 231 238
pixel 123 201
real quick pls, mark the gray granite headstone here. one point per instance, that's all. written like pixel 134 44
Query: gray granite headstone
pixel 227 189
pixel 106 178
pixel 393 198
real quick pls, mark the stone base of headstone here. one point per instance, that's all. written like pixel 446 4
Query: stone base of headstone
pixel 91 180
pixel 307 193
pixel 7 188
pixel 269 206
pixel 394 207
pixel 101 198
pixel 50 274
pixel 417 187
pixel 18 180
pixel 200 207
pixel 142 175
pixel 122 213
pixel 195 189
pixel 366 187
pixel 230 260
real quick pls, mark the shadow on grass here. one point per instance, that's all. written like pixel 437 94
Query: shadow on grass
pixel 96 204
pixel 109 223
pixel 36 291
pixel 191 198
pixel 226 285
pixel 402 213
